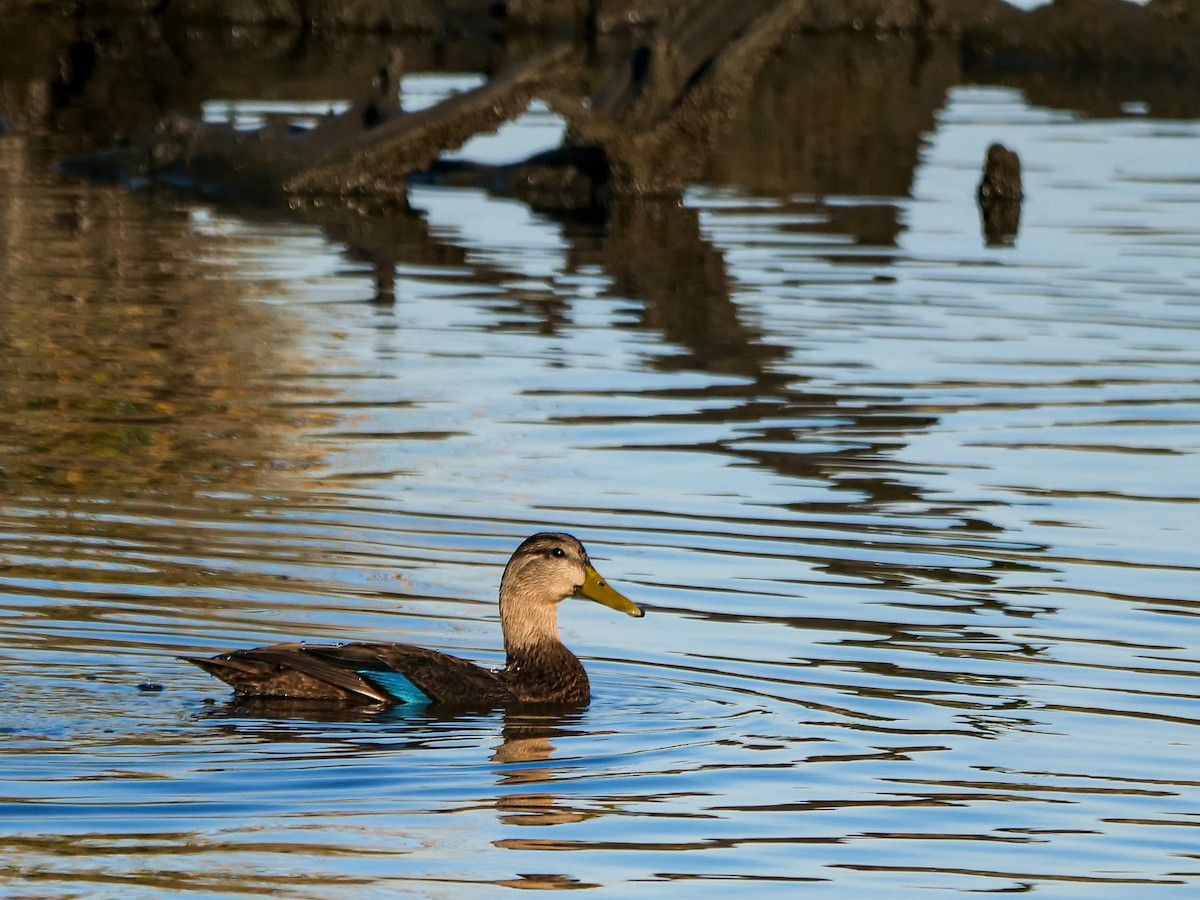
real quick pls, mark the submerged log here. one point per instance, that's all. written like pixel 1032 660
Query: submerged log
pixel 661 109
pixel 1000 195
pixel 1001 182
pixel 648 130
pixel 379 157
pixel 371 148
pixel 650 126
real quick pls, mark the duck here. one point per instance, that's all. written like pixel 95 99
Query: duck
pixel 539 670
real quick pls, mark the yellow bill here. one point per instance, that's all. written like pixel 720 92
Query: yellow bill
pixel 596 588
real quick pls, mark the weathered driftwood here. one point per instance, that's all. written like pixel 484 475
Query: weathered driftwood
pixel 370 149
pixel 650 127
pixel 662 108
pixel 1001 181
pixel 1000 195
pixel 378 158
pixel 648 130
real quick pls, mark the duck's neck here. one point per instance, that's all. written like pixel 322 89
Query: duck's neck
pixel 527 625
pixel 539 667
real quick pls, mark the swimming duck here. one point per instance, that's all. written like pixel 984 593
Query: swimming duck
pixel 546 569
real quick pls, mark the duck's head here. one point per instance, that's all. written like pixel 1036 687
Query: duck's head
pixel 546 569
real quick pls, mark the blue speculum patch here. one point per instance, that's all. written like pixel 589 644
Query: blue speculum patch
pixel 403 690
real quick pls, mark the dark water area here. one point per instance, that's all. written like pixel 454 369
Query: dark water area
pixel 913 517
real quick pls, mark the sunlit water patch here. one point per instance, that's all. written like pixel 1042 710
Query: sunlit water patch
pixel 911 520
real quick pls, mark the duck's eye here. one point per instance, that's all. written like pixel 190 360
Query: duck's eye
pixel 558 552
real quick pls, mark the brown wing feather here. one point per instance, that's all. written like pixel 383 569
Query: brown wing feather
pixel 445 679
pixel 287 670
pixel 331 672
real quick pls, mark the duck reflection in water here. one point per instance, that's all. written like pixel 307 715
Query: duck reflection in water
pixel 523 757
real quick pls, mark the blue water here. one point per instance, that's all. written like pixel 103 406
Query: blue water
pixel 912 518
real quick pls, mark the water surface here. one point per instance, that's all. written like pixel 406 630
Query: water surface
pixel 913 518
